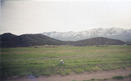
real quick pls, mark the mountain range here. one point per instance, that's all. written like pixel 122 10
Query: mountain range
pixel 113 33
pixel 11 40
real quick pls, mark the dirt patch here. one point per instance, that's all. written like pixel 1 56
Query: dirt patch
pixel 126 79
pixel 79 77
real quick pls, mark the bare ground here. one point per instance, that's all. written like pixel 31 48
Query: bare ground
pixel 80 77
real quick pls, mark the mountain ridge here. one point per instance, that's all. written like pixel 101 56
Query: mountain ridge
pixel 11 40
pixel 27 40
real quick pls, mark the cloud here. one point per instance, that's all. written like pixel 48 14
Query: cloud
pixel 35 17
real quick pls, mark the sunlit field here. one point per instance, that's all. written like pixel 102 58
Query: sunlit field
pixel 45 60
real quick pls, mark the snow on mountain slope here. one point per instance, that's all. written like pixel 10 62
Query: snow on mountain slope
pixel 115 33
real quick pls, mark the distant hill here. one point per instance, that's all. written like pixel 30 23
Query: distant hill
pixel 97 41
pixel 11 40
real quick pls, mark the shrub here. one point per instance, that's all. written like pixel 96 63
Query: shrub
pixel 129 75
pixel 92 79
pixel 86 80
pixel 118 77
pixel 73 80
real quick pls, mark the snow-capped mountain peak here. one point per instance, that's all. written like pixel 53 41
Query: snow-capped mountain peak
pixel 115 33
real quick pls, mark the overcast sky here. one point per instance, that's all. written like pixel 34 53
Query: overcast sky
pixel 37 16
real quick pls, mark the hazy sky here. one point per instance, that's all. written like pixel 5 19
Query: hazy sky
pixel 37 16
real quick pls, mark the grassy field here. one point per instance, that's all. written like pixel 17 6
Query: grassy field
pixel 45 60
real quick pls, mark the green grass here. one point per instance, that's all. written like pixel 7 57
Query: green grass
pixel 23 61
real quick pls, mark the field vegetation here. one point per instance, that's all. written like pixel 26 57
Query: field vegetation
pixel 45 60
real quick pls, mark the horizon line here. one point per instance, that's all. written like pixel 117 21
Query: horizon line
pixel 64 31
